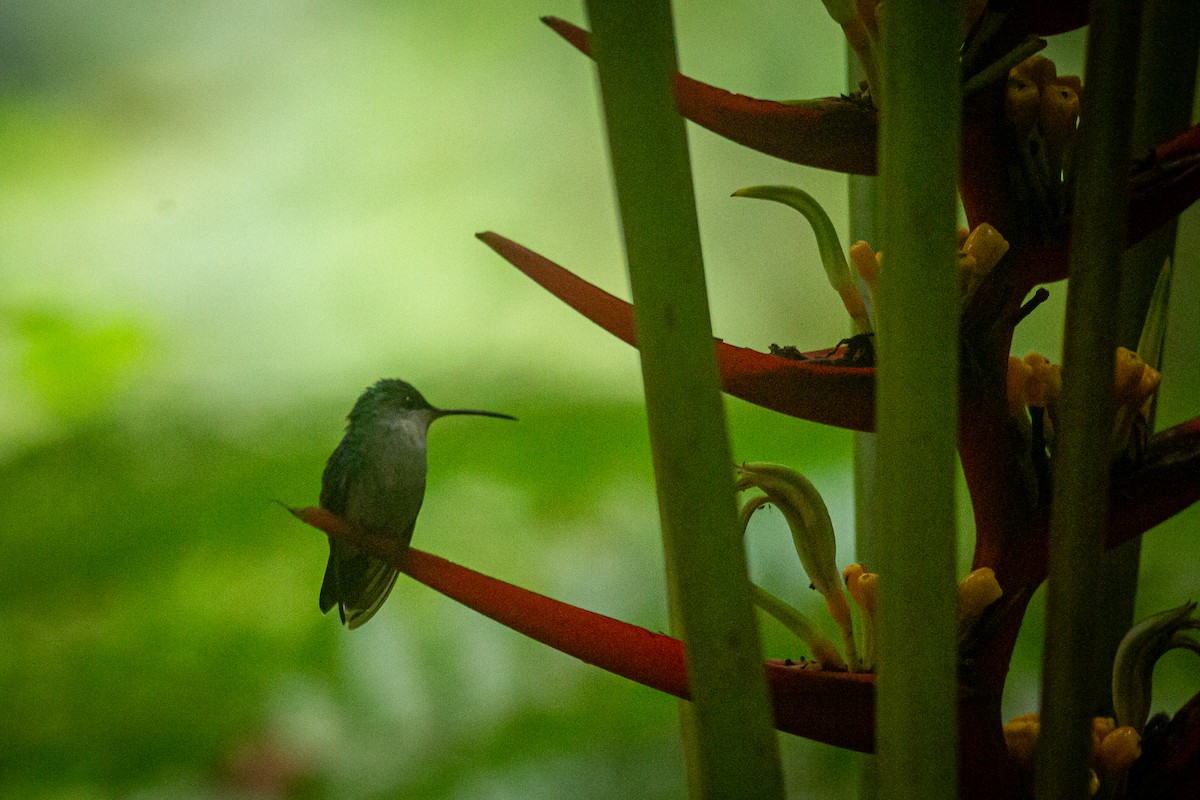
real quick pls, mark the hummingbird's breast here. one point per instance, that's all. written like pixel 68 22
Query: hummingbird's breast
pixel 388 488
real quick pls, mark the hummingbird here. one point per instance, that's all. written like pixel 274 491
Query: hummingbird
pixel 376 479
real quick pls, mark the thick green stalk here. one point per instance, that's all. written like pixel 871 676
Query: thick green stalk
pixel 1166 84
pixel 1165 87
pixel 735 753
pixel 1086 412
pixel 917 400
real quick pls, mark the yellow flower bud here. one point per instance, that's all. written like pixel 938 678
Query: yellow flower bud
pixel 1057 118
pixel 1019 374
pixel 1022 104
pixel 1134 380
pixel 1059 111
pixel 979 253
pixel 1134 383
pixel 866 264
pixel 1037 68
pixel 1020 736
pixel 1101 727
pixel 1045 381
pixel 1151 379
pixel 987 246
pixel 976 592
pixel 1072 82
pixel 1119 749
pixel 865 592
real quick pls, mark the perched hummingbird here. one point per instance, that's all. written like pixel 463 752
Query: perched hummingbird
pixel 376 479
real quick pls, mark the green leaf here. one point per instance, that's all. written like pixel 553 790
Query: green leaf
pixel 830 248
pixel 812 533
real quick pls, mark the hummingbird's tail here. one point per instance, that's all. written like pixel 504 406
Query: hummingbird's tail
pixel 329 593
pixel 356 583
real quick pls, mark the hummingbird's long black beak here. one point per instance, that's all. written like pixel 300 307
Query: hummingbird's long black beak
pixel 448 412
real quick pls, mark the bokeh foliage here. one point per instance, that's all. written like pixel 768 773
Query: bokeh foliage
pixel 220 224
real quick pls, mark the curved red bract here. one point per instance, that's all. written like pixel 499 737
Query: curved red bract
pixel 831 707
pixel 827 133
pixel 825 393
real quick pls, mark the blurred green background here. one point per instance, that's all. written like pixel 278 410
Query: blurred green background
pixel 221 222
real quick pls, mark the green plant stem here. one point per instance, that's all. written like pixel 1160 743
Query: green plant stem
pixel 917 401
pixel 1165 87
pixel 1086 412
pixel 822 649
pixel 734 753
pixel 862 196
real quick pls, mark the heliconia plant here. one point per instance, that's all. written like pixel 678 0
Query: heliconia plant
pixel 1061 462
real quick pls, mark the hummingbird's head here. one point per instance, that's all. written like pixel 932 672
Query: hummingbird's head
pixel 389 396
pixel 397 399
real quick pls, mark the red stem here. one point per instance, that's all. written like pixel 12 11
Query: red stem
pixel 1167 482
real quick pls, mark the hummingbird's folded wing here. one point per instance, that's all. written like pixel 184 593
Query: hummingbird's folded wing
pixel 335 480
pixel 359 584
